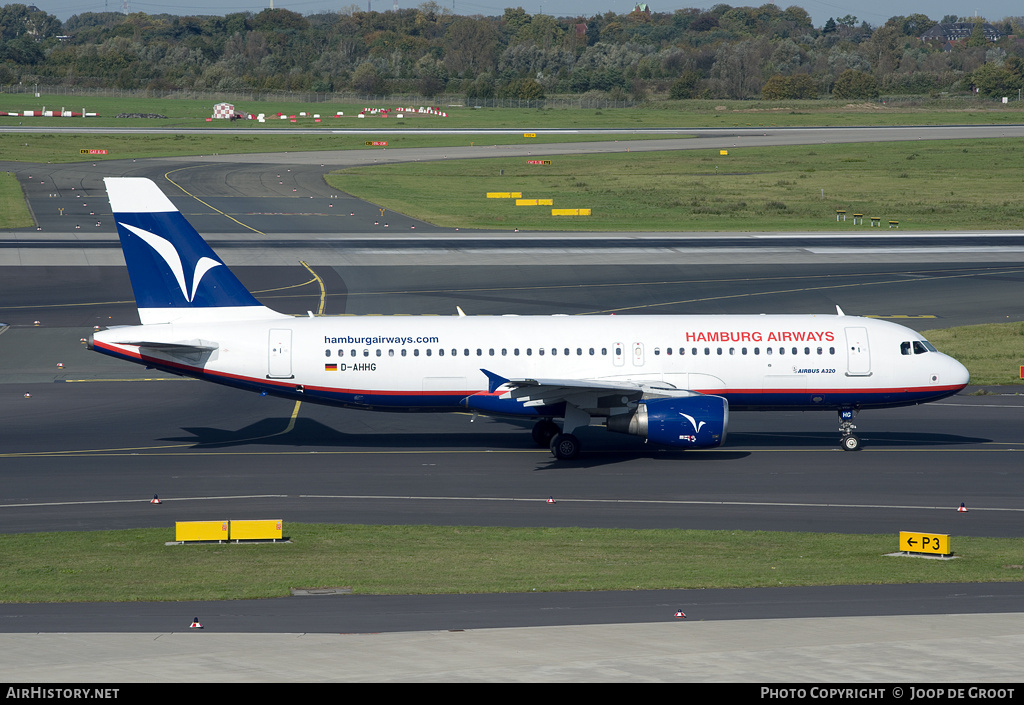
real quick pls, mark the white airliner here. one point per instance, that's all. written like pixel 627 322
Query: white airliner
pixel 669 379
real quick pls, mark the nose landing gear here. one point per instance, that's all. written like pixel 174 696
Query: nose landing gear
pixel 848 441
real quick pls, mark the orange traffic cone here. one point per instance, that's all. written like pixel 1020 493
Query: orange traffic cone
pixel 962 508
pixel 551 500
pixel 680 615
pixel 196 624
pixel 155 500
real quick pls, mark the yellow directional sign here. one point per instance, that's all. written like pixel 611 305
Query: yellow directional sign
pixel 924 543
pixel 529 134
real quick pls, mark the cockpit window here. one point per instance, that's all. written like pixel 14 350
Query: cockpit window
pixel 916 347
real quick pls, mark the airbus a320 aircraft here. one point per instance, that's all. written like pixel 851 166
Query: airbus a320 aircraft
pixel 669 379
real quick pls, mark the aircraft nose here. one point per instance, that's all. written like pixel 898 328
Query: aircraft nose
pixel 958 374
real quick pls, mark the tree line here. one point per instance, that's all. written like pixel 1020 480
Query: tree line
pixel 722 52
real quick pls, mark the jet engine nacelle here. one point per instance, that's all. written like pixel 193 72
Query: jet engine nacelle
pixel 687 422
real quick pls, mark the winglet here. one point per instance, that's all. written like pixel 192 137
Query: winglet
pixel 493 381
pixel 462 314
pixel 839 311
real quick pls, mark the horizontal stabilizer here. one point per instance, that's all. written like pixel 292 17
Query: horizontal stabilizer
pixel 174 348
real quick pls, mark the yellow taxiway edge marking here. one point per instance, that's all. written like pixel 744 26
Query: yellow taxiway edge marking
pixel 780 291
pixel 130 379
pixel 323 290
pixel 121 452
pixel 192 195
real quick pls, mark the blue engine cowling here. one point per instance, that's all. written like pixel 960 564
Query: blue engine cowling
pixel 686 422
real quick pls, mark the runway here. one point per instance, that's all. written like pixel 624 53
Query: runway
pixel 71 462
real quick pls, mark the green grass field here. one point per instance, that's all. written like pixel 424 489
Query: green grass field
pixel 656 113
pixel 136 565
pixel 935 185
pixel 14 211
pixel 65 149
pixel 993 352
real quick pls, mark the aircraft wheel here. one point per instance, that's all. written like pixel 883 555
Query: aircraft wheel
pixel 544 431
pixel 565 446
pixel 851 442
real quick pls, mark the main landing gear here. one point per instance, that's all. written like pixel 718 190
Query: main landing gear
pixel 543 431
pixel 564 446
pixel 848 441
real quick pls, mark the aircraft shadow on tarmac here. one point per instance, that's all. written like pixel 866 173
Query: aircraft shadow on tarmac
pixel 880 439
pixel 309 433
pixel 610 448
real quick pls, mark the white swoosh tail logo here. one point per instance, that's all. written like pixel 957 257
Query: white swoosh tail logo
pixel 170 255
pixel 696 426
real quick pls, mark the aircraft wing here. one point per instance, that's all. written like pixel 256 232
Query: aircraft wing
pixel 585 394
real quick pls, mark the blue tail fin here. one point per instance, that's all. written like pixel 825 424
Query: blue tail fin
pixel 175 275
